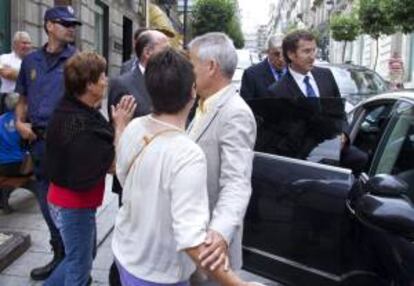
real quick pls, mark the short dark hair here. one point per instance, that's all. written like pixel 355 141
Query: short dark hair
pixel 144 40
pixel 290 42
pixel 138 33
pixel 80 70
pixel 169 78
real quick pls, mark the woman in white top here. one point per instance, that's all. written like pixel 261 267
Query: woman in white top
pixel 161 226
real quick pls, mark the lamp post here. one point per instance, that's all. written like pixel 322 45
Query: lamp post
pixel 185 24
pixel 329 6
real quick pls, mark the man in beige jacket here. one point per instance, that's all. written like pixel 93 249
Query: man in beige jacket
pixel 225 128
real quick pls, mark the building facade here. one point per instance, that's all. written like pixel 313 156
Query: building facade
pixel 107 25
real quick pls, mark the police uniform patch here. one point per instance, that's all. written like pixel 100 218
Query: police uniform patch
pixel 33 74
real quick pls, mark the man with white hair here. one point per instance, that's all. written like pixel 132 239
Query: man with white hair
pixel 256 79
pixel 10 64
pixel 225 128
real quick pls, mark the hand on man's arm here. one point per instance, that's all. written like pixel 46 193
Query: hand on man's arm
pixel 222 276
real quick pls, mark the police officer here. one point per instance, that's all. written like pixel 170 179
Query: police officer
pixel 40 85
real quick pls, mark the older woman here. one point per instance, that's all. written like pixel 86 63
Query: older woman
pixel 161 226
pixel 79 152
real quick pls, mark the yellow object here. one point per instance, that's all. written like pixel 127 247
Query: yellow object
pixel 158 19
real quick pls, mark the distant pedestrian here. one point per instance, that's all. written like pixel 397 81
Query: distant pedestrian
pixel 396 71
pixel 80 152
pixel 10 64
pixel 257 79
pixel 40 86
pixel 225 129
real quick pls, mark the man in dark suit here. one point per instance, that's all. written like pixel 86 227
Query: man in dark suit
pixel 257 79
pixel 313 95
pixel 133 82
pixel 131 64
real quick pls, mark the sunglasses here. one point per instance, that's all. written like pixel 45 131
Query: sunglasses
pixel 65 24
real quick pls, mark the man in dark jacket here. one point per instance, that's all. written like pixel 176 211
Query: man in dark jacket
pixel 314 98
pixel 257 79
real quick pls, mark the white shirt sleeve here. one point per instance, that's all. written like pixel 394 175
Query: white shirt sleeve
pixel 189 199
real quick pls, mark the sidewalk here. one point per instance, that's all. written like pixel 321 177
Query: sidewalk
pixel 26 218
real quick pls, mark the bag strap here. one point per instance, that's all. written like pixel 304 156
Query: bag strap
pixel 147 141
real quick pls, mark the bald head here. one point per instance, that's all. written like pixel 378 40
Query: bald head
pixel 149 43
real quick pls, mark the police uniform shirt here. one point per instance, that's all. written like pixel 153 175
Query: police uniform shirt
pixel 41 81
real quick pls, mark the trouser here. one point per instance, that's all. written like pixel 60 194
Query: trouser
pixel 42 188
pixel 78 230
pixel 10 169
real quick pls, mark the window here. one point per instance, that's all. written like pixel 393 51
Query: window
pixel 101 28
pixel 395 155
pixel 371 126
pixel 4 27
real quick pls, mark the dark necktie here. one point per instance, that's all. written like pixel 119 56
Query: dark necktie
pixel 279 75
pixel 310 92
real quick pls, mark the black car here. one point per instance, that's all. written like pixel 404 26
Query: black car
pixel 314 223
pixel 357 83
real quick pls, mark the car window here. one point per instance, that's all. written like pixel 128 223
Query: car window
pixel 370 128
pixel 395 154
pixel 359 82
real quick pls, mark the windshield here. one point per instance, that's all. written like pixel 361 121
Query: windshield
pixel 355 81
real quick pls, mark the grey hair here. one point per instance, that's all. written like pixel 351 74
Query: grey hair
pixel 218 47
pixel 21 35
pixel 275 41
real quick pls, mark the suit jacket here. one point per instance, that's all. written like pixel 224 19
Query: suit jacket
pixel 310 121
pixel 132 83
pixel 127 65
pixel 227 136
pixel 256 81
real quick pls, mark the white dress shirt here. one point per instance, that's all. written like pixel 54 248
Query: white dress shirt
pixel 299 79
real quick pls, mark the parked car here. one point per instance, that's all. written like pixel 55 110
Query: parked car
pixel 245 59
pixel 311 223
pixel 356 83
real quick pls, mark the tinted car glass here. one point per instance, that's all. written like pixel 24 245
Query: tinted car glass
pixel 296 127
pixel 396 153
pixel 357 84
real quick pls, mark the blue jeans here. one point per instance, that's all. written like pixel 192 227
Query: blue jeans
pixel 78 230
pixel 42 188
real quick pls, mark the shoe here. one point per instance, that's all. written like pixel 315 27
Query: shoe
pixel 42 273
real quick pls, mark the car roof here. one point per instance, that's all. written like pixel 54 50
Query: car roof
pixel 407 94
pixel 343 66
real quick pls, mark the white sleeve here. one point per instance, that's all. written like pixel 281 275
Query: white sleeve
pixel 189 199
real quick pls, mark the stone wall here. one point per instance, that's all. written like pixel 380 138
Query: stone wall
pixel 28 15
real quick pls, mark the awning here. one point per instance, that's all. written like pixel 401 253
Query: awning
pixel 158 19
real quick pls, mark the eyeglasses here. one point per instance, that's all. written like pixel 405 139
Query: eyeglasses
pixel 65 24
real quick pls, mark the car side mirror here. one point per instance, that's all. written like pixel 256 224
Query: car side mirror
pixel 385 206
pixel 386 186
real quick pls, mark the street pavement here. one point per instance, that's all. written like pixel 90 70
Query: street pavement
pixel 26 218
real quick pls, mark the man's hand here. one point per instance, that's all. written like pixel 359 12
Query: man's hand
pixel 215 252
pixel 25 130
pixel 8 72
